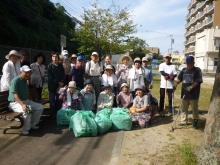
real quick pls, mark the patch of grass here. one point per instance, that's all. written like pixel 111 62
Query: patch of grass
pixel 183 154
pixel 171 137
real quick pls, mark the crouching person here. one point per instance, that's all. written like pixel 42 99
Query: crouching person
pixel 18 98
pixel 124 98
pixel 88 96
pixel 106 98
pixel 70 96
pixel 141 109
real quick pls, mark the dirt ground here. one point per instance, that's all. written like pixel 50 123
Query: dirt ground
pixel 156 145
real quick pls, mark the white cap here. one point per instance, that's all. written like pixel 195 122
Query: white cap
pixel 25 68
pixel 95 53
pixel 64 52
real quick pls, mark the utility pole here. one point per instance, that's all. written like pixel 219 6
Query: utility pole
pixel 172 41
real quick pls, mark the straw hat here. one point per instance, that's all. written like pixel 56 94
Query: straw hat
pixel 109 67
pixel 137 59
pixel 121 59
pixel 167 55
pixel 12 52
pixel 73 55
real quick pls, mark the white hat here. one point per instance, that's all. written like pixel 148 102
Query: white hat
pixel 145 59
pixel 25 68
pixel 109 67
pixel 72 84
pixel 12 52
pixel 121 59
pixel 167 55
pixel 137 59
pixel 124 85
pixel 64 52
pixel 95 53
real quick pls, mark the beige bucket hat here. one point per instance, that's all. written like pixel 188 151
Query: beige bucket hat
pixel 121 59
pixel 12 52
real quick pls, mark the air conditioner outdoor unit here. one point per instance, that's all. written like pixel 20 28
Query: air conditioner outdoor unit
pixel 217 27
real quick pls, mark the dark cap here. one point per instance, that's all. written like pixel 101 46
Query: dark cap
pixel 22 52
pixel 88 81
pixel 189 59
pixel 107 86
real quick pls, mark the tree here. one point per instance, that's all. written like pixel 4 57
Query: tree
pixel 104 30
pixel 137 46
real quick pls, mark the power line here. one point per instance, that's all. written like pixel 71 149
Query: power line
pixel 163 33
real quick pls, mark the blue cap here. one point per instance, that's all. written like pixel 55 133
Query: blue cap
pixel 189 59
pixel 141 87
pixel 79 58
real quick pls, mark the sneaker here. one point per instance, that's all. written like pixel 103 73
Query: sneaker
pixel 25 132
pixel 34 126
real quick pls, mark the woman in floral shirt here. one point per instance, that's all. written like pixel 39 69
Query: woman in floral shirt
pixel 141 109
pixel 70 96
pixel 123 70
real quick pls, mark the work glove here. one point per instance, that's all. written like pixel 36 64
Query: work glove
pixel 150 86
pixel 174 85
pixel 172 77
pixel 189 88
pixel 167 77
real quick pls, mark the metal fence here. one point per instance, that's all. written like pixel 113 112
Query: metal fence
pixel 31 53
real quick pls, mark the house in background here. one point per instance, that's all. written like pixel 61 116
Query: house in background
pixel 177 58
pixel 153 49
pixel 202 33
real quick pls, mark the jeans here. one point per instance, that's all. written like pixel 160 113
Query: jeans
pixel 55 103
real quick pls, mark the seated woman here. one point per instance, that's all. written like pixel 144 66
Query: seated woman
pixel 124 98
pixel 88 96
pixel 141 109
pixel 70 96
pixel 105 99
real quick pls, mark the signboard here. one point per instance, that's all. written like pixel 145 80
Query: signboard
pixel 62 40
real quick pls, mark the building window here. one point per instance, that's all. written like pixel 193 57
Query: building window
pixel 217 42
pixel 215 61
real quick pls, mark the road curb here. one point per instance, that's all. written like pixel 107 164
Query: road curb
pixel 117 148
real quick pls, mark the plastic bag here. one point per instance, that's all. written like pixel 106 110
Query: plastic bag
pixel 121 120
pixel 83 124
pixel 103 121
pixel 64 115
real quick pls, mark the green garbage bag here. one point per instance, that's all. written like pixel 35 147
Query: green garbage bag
pixel 106 112
pixel 83 125
pixel 88 113
pixel 121 120
pixel 103 121
pixel 64 115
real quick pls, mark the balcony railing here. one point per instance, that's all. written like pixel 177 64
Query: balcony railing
pixel 210 7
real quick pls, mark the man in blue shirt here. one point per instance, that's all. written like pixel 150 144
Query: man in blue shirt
pixel 18 98
pixel 148 72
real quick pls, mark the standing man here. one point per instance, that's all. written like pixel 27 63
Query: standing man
pixel 168 72
pixel 108 59
pixel 56 77
pixel 18 98
pixel 23 58
pixel 73 59
pixel 66 66
pixel 93 71
pixel 78 72
pixel 191 78
pixel 148 73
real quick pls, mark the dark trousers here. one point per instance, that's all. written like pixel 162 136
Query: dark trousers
pixel 67 80
pixel 39 90
pixel 55 103
pixel 162 94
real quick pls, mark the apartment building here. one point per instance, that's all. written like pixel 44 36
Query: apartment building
pixel 202 36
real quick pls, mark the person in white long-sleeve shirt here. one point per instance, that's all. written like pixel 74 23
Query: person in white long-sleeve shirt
pixel 11 69
pixel 38 70
pixel 110 78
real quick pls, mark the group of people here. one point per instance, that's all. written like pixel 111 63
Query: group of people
pixel 94 86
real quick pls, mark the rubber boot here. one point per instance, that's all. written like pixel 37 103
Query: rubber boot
pixel 195 123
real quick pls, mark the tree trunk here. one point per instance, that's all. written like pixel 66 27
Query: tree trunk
pixel 209 149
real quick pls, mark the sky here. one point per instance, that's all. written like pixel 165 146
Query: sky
pixel 153 19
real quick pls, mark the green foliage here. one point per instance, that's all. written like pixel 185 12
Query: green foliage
pixel 36 24
pixel 137 45
pixel 104 30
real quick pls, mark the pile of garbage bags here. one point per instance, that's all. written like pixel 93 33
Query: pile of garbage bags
pixel 85 123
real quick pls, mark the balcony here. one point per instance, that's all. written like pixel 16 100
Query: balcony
pixel 210 9
pixel 193 21
pixel 191 50
pixel 202 4
pixel 209 21
pixel 193 3
pixel 189 6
